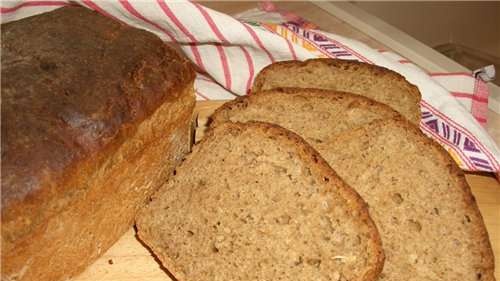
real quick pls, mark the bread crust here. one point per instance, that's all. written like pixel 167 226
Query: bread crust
pixel 376 71
pixel 78 94
pixel 308 154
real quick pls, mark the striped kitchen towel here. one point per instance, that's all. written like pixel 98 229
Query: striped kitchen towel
pixel 229 52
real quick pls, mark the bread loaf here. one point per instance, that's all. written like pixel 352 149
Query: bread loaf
pixel 255 202
pixel 430 224
pixel 95 115
pixel 375 82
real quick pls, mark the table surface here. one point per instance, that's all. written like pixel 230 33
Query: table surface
pixel 129 260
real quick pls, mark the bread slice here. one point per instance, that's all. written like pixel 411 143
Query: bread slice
pixel 255 202
pixel 300 109
pixel 375 82
pixel 430 225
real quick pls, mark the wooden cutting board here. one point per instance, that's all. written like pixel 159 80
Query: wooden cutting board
pixel 129 260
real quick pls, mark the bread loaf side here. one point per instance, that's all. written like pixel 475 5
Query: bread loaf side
pixel 95 115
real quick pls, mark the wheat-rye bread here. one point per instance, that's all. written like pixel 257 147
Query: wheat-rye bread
pixel 255 202
pixel 375 82
pixel 430 224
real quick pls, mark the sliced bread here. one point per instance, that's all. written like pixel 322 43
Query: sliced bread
pixel 255 202
pixel 430 225
pixel 375 82
pixel 300 109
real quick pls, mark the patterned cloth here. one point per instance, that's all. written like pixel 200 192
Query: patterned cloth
pixel 229 52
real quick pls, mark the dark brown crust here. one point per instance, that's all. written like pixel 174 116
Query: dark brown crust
pixel 241 102
pixel 377 71
pixel 76 86
pixel 315 160
pixel 57 107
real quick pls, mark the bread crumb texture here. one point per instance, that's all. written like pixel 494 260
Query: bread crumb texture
pixel 254 202
pixel 375 82
pixel 430 225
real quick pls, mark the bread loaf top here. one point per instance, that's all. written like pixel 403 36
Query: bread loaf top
pixel 75 85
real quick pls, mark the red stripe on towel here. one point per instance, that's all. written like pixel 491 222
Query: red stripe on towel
pixel 450 74
pixel 197 57
pixel 4 10
pixel 258 41
pixel 194 49
pixel 210 22
pixel 175 20
pixel 290 46
pixel 220 50
pixel 250 69
pixel 201 95
pixel 138 15
pixel 95 7
pixel 469 96
pixel 225 66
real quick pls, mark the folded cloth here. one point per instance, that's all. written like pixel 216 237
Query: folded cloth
pixel 229 52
